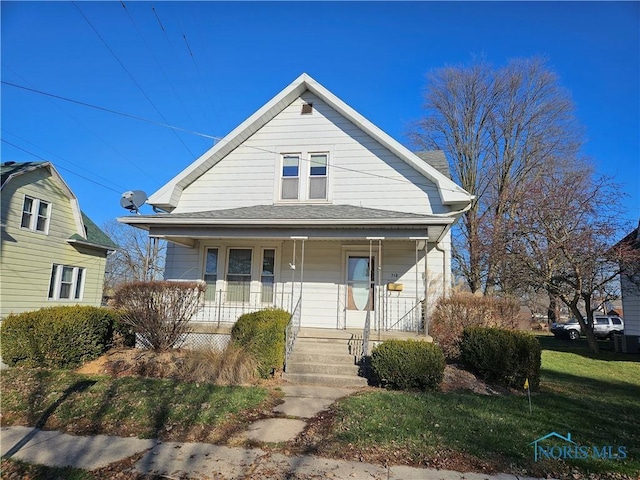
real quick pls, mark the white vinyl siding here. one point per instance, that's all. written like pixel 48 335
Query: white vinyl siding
pixel 631 304
pixel 361 171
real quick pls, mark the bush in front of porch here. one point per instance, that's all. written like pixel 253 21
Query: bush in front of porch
pixel 461 310
pixel 408 365
pixel 262 334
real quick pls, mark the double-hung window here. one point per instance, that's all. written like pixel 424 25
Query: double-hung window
pixel 66 283
pixel 290 176
pixel 239 274
pixel 267 278
pixel 35 214
pixel 318 176
pixel 211 273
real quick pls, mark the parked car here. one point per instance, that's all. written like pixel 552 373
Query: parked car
pixel 604 326
pixel 570 328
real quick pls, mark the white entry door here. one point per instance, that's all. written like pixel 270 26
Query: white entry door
pixel 360 281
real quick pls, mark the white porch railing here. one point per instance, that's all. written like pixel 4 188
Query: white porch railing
pixel 226 306
pixel 291 333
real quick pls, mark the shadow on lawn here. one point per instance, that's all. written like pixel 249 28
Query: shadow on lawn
pixel 580 347
pixel 77 387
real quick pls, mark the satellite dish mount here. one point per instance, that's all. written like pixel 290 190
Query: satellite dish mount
pixel 133 200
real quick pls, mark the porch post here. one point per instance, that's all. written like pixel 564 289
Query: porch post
pixel 376 280
pixel 418 248
pixel 293 270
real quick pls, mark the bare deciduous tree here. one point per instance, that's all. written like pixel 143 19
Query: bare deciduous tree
pixel 568 247
pixel 138 258
pixel 499 128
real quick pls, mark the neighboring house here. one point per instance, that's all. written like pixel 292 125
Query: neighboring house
pixel 50 252
pixel 630 284
pixel 309 206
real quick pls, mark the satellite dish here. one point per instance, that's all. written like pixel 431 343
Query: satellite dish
pixel 133 200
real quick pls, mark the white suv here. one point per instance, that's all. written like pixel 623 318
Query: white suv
pixel 606 326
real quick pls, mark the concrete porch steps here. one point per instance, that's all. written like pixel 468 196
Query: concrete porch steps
pixel 322 357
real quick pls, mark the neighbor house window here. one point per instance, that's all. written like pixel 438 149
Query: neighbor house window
pixel 211 273
pixel 318 176
pixel 35 214
pixel 290 176
pixel 267 277
pixel 67 282
pixel 239 274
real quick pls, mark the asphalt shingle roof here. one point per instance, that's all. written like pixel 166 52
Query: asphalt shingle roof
pixel 94 234
pixel 9 168
pixel 293 212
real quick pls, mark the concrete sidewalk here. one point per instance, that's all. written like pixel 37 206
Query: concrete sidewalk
pixel 200 460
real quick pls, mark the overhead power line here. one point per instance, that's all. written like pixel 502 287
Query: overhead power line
pixel 60 167
pixel 130 75
pixel 165 125
pixel 108 110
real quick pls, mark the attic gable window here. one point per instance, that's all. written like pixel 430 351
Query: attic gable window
pixel 290 176
pixel 307 108
pixel 35 214
pixel 318 176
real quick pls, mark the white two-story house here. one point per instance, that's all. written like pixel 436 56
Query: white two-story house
pixel 310 207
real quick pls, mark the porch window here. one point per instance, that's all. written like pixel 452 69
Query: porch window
pixel 35 214
pixel 239 274
pixel 318 176
pixel 211 273
pixel 268 274
pixel 360 282
pixel 290 176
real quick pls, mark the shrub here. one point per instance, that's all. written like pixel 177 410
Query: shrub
pixel 159 312
pixel 232 366
pixel 58 337
pixel 408 364
pixel 502 356
pixel 262 334
pixel 453 314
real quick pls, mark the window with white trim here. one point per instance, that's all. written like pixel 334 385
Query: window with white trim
pixel 35 214
pixel 211 272
pixel 239 274
pixel 66 283
pixel 318 176
pixel 268 275
pixel 290 176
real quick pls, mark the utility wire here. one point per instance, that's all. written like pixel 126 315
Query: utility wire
pixel 130 76
pixel 164 74
pixel 63 159
pixel 135 117
pixel 82 124
pixel 195 93
pixel 60 167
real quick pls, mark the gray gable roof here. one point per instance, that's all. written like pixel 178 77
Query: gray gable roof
pixel 437 160
pixel 286 213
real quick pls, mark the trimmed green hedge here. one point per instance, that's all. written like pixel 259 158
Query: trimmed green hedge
pixel 262 333
pixel 506 357
pixel 60 337
pixel 408 364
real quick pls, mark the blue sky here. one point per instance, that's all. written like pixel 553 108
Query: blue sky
pixel 207 66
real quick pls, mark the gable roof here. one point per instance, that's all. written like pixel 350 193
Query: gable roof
pixel 167 197
pixel 10 169
pixel 93 236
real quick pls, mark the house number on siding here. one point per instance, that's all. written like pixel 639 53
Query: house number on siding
pixel 394 275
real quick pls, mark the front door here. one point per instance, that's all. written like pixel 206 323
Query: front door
pixel 360 281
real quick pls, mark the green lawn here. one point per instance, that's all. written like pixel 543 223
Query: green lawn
pixel 594 397
pixel 147 408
